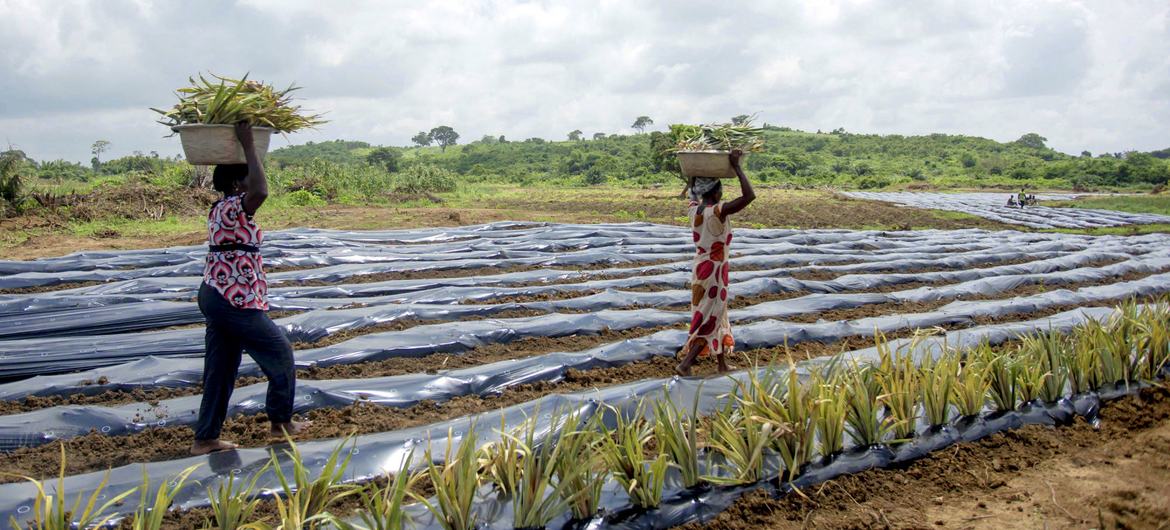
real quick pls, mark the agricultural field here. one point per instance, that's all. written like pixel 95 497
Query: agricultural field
pixel 963 374
pixel 519 265
pixel 994 207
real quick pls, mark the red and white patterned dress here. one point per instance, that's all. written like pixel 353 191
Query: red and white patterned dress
pixel 238 275
pixel 709 279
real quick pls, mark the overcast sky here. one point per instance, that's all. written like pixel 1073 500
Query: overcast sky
pixel 1086 75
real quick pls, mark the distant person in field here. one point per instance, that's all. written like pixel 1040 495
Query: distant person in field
pixel 233 300
pixel 1011 201
pixel 710 329
pixel 1023 198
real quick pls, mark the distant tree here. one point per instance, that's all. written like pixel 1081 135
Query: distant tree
pixel 1032 140
pixel 488 139
pixel 1143 167
pixel 97 149
pixel 741 119
pixel 444 136
pixel 661 159
pixel 1161 153
pixel 422 139
pixel 385 157
pixel 502 139
pixel 595 178
pixel 968 160
pixel 63 170
pixel 642 122
pixel 598 136
pixel 1086 154
pixel 575 136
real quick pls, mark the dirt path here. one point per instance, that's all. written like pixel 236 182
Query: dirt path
pixel 1035 477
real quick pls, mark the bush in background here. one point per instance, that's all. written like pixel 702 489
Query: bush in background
pixel 423 178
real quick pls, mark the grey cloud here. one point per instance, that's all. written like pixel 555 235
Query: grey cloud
pixel 383 70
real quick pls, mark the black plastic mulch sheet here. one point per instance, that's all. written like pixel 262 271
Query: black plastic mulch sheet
pixel 43 426
pixel 32 356
pixel 994 206
pixel 377 454
pixel 461 336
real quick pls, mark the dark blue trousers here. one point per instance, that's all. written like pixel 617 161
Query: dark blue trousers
pixel 230 331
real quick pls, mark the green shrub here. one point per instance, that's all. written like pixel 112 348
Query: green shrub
pixel 14 169
pixel 423 178
pixel 869 183
pixel 304 198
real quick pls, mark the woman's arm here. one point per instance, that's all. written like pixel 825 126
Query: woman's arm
pixel 257 182
pixel 748 195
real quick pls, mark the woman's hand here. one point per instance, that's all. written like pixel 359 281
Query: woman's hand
pixel 735 156
pixel 256 182
pixel 748 194
pixel 244 133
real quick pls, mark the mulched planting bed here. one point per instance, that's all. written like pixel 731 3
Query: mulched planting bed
pixel 457 273
pixel 521 348
pixel 542 345
pixel 49 288
pixel 973 485
pixel 97 451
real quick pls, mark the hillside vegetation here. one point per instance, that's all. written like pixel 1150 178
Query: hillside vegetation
pixel 358 173
pixel 794 158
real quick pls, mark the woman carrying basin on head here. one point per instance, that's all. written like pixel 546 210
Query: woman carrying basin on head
pixel 710 328
pixel 233 300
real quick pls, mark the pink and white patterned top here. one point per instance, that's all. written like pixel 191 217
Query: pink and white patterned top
pixel 238 274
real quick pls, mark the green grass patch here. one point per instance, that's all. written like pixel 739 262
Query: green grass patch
pixel 137 227
pixel 1156 204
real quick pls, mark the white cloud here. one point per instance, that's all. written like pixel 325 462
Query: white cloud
pixel 1088 75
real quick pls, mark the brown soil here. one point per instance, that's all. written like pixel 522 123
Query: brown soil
pixel 97 451
pixel 457 273
pixel 829 274
pixel 288 268
pixel 346 334
pixel 407 275
pixel 395 366
pixel 772 208
pixel 48 288
pixel 1035 477
pixel 518 349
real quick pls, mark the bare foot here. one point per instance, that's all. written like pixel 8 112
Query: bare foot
pixel 203 447
pixel 722 365
pixel 291 428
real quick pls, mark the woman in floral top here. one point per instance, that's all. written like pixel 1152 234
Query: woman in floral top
pixel 233 300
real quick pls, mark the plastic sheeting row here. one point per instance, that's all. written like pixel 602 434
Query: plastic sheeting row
pixel 116 317
pixel 105 314
pixel 555 244
pixel 377 454
pixel 43 426
pixel 456 337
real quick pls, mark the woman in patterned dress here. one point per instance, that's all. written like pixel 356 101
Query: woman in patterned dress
pixel 710 329
pixel 233 300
